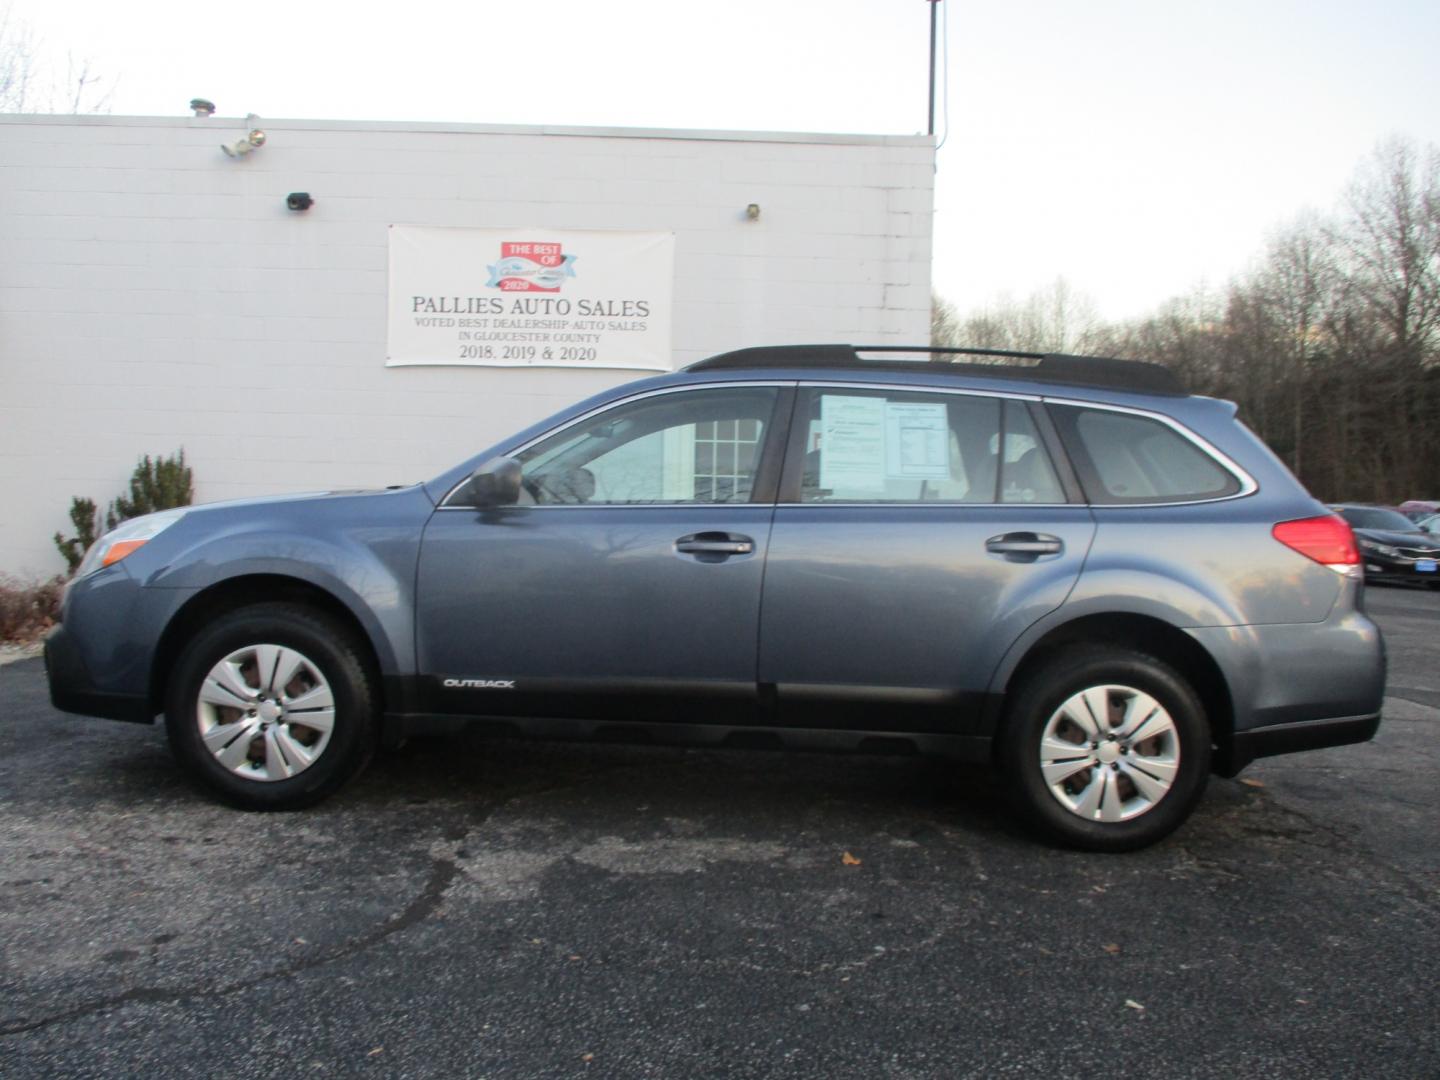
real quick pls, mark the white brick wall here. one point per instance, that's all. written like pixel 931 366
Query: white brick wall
pixel 156 294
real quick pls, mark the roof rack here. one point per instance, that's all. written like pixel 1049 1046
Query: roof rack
pixel 1046 367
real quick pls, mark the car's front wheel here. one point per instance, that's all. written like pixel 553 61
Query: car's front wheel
pixel 272 707
pixel 1105 749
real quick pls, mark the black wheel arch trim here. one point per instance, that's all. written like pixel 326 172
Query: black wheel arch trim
pixel 1143 631
pixel 248 587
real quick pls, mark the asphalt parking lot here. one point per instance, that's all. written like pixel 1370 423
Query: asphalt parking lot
pixel 506 909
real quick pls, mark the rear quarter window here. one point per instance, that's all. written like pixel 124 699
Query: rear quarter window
pixel 1126 458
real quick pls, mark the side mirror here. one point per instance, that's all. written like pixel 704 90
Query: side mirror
pixel 495 483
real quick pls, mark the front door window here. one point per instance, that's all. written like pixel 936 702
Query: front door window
pixel 699 446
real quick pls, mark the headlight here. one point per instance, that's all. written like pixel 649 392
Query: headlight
pixel 126 538
pixel 1379 549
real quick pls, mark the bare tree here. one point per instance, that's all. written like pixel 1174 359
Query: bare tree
pixel 1330 347
pixel 944 322
pixel 1392 239
pixel 30 83
pixel 17 63
pixel 1064 319
pixel 1057 318
pixel 1187 334
pixel 1297 289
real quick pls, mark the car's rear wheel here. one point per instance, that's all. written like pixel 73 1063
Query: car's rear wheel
pixel 272 707
pixel 1105 749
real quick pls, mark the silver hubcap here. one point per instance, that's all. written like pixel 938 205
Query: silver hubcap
pixel 1110 753
pixel 265 712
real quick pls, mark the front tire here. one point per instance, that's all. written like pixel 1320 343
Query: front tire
pixel 1105 749
pixel 272 707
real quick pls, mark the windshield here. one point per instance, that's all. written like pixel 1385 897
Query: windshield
pixel 1373 517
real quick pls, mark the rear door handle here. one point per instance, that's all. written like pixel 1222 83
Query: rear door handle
pixel 1024 546
pixel 714 543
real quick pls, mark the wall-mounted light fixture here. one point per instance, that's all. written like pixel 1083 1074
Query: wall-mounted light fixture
pixel 752 212
pixel 299 200
pixel 252 140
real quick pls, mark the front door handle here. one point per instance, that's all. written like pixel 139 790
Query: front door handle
pixel 714 544
pixel 1024 546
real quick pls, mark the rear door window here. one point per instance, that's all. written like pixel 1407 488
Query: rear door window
pixel 903 446
pixel 1026 474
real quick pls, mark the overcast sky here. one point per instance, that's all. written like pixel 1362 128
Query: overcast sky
pixel 1136 148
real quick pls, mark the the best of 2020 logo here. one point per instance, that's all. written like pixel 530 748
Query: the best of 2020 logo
pixel 530 267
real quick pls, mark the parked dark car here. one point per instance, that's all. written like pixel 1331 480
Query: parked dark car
pixel 1419 509
pixel 1394 547
pixel 1067 567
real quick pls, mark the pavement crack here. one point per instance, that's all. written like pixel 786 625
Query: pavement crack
pixel 1405 883
pixel 443 872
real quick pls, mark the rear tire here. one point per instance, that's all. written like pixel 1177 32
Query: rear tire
pixel 1104 748
pixel 272 707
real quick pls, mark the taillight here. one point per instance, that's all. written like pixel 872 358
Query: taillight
pixel 1327 539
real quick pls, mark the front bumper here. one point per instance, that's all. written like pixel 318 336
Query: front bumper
pixel 99 660
pixel 1387 568
pixel 72 689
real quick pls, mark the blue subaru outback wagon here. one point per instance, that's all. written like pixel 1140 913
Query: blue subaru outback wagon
pixel 1066 566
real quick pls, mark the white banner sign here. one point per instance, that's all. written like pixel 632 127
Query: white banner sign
pixel 530 297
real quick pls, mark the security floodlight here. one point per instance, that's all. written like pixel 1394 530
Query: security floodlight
pixel 252 140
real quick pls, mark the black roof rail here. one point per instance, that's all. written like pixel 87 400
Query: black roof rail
pixel 1046 367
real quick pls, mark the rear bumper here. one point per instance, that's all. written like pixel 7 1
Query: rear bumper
pixel 1246 746
pixel 72 690
pixel 1298 686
